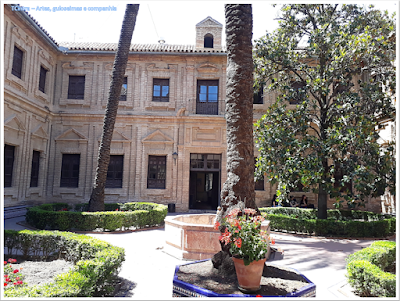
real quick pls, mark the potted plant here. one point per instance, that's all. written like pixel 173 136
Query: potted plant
pixel 248 245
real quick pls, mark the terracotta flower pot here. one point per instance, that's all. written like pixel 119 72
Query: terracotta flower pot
pixel 249 276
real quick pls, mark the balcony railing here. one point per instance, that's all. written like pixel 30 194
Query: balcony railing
pixel 207 108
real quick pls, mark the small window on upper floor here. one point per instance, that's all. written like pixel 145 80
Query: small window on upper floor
pixel 17 62
pixel 258 96
pixel 42 79
pixel 208 41
pixel 76 87
pixel 124 89
pixel 160 90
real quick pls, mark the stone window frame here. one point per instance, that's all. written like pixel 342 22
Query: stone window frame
pixel 169 73
pixel 82 70
pixel 22 82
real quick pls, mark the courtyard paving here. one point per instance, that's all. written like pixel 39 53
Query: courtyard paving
pixel 148 270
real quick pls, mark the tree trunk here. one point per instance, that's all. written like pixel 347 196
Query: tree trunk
pixel 96 202
pixel 238 189
pixel 239 185
pixel 322 203
pixel 322 195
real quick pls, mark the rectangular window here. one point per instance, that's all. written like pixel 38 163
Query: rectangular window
pixel 35 169
pixel 298 92
pixel 205 162
pixel 42 79
pixel 70 170
pixel 114 173
pixel 258 184
pixel 124 89
pixel 258 96
pixel 207 97
pixel 156 172
pixel 17 62
pixel 76 87
pixel 161 90
pixel 9 152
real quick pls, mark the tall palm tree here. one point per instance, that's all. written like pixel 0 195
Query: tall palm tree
pixel 96 202
pixel 239 185
pixel 238 189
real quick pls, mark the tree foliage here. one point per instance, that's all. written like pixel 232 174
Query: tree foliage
pixel 337 63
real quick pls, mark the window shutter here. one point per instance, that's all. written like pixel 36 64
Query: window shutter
pixel 17 62
pixel 76 87
pixel 42 79
pixel 9 151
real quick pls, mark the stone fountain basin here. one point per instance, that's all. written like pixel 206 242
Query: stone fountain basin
pixel 192 236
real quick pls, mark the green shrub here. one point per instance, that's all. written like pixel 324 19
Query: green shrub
pixel 365 270
pixel 96 262
pixel 349 223
pixel 117 216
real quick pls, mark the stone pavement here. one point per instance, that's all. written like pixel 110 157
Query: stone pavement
pixel 148 271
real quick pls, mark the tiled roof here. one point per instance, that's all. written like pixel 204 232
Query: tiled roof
pixel 89 46
pixel 40 27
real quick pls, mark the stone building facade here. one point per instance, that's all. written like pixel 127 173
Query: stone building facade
pixel 169 142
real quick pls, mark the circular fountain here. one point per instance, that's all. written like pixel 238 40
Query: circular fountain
pixel 193 237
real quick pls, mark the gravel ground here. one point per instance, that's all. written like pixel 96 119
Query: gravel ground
pixel 276 281
pixel 41 272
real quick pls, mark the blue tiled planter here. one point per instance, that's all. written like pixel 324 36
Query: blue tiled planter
pixel 184 289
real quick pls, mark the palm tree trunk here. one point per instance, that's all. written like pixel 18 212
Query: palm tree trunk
pixel 239 186
pixel 238 189
pixel 96 202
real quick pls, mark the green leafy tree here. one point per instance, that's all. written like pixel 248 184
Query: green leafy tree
pixel 332 67
pixel 96 202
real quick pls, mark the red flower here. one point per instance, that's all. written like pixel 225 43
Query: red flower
pixel 258 296
pixel 15 271
pixel 273 241
pixel 216 225
pixel 5 284
pixel 116 209
pixel 5 262
pixel 238 242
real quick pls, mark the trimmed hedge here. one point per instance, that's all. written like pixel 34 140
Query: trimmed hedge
pixel 96 262
pixel 116 216
pixel 350 223
pixel 365 270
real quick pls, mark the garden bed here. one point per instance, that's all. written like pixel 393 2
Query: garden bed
pixel 96 263
pixel 121 217
pixel 340 223
pixel 202 279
